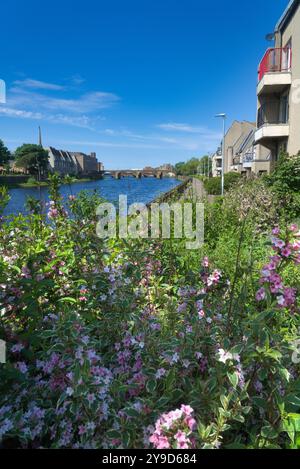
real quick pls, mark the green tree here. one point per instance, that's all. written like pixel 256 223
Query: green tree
pixel 5 154
pixel 33 158
pixel 179 167
pixel 213 185
pixel 194 166
pixel 205 166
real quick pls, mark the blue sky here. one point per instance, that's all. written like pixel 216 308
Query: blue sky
pixel 137 81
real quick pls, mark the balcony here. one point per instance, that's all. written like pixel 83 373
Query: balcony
pixel 273 121
pixel 248 159
pixel 274 73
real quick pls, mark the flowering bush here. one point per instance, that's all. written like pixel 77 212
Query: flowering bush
pixel 106 338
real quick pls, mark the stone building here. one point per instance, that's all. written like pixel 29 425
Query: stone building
pixel 73 163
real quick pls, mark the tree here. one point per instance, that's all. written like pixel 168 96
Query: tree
pixel 33 158
pixel 179 168
pixel 205 166
pixel 5 154
pixel 194 166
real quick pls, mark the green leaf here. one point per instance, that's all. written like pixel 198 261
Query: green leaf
pixel 259 402
pixel 132 412
pixel 292 399
pixel 233 378
pixel 239 418
pixel 151 385
pixel 67 299
pixel 225 401
pixel 269 432
pixel 114 435
pixel 61 400
pixel 235 446
pixel 126 439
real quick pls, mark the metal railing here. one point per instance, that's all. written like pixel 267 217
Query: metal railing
pixel 248 157
pixel 273 112
pixel 275 60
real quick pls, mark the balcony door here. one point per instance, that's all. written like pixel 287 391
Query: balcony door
pixel 284 109
pixel 287 56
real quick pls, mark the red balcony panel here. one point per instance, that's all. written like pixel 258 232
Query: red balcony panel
pixel 275 60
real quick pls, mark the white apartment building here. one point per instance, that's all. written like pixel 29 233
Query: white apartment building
pixel 278 90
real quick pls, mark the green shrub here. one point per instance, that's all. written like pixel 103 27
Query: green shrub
pixel 213 185
pixel 285 183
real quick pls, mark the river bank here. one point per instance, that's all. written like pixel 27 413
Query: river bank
pixel 25 181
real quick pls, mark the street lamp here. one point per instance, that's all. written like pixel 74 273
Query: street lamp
pixel 223 116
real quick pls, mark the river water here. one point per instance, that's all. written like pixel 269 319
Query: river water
pixel 137 190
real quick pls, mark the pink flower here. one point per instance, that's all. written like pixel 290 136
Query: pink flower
pixel 25 272
pixel 191 423
pixel 163 443
pixel 81 430
pixel 276 231
pixel 261 294
pixel 286 252
pixel 293 228
pixel 278 243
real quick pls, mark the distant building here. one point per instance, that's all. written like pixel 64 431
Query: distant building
pixel 148 168
pixel 62 162
pixel 100 167
pixel 88 164
pixel 73 163
pixel 167 167
pixel 251 158
pixel 241 153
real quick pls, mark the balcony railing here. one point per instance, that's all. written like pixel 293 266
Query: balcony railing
pixel 273 112
pixel 248 157
pixel 275 60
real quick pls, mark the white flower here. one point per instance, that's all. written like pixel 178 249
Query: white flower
pixel 223 356
pixel 281 300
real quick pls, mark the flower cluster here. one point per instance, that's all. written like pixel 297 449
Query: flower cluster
pixel 175 429
pixel 286 250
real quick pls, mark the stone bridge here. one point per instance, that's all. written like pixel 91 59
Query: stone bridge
pixel 137 173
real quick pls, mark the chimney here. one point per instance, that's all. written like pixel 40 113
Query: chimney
pixel 93 154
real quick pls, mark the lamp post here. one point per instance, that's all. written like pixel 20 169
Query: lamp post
pixel 223 116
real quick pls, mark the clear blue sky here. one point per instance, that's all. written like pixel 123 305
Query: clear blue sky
pixel 137 81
